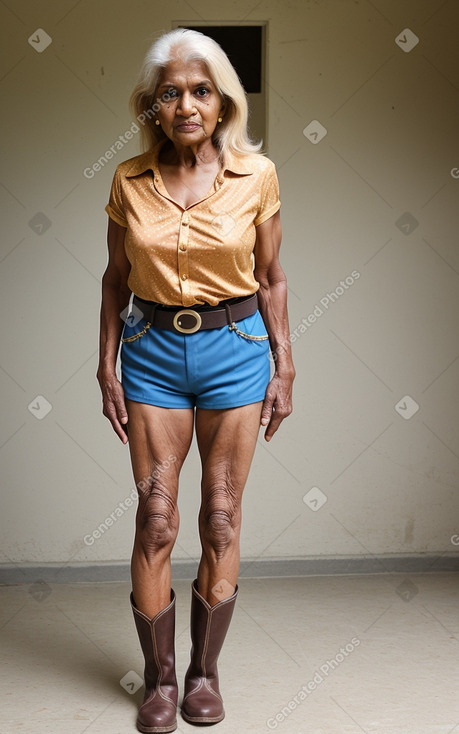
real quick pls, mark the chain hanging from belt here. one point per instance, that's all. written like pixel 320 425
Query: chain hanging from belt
pixel 150 321
pixel 138 335
pixel 233 327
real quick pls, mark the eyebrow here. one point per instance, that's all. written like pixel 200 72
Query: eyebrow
pixel 198 84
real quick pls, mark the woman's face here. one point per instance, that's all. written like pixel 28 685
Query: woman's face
pixel 189 115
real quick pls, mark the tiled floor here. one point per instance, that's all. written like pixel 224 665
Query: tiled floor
pixel 360 654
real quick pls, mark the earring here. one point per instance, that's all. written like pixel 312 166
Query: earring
pixel 157 122
pixel 220 119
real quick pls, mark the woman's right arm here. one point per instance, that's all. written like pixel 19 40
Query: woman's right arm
pixel 115 298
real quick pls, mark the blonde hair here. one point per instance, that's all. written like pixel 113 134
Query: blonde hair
pixel 232 133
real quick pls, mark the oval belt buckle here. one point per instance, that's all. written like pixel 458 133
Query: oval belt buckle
pixel 183 329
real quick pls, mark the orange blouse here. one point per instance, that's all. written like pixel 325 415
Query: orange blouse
pixel 201 254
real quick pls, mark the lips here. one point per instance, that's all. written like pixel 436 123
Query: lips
pixel 188 126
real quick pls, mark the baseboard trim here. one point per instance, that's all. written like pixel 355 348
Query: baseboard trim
pixel 53 573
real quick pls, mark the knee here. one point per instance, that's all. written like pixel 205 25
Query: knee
pixel 157 520
pixel 219 519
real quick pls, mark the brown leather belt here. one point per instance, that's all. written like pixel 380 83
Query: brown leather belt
pixel 189 320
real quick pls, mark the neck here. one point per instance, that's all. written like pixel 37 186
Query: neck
pixel 188 156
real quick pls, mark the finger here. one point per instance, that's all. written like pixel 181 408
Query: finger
pixel 281 410
pixel 267 409
pixel 121 413
pixel 273 425
pixel 120 428
pixel 123 422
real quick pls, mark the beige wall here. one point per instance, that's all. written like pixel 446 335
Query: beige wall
pixel 392 117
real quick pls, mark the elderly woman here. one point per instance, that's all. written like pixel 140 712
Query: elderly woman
pixel 194 234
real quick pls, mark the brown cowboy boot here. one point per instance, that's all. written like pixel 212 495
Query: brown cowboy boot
pixel 158 713
pixel 202 702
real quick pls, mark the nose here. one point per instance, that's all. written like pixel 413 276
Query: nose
pixel 186 107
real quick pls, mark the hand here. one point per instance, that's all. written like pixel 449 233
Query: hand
pixel 114 407
pixel 277 404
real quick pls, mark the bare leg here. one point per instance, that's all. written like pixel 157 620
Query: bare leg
pixel 226 441
pixel 159 440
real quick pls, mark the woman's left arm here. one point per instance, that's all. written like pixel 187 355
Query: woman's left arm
pixel 272 302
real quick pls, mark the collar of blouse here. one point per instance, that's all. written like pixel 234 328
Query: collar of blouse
pixel 149 161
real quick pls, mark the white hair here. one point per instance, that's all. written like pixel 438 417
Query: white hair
pixel 186 44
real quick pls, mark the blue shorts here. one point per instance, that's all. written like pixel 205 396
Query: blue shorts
pixel 212 368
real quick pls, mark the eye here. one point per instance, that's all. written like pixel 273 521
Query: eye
pixel 171 94
pixel 202 91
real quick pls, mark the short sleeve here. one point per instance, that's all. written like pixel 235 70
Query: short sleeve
pixel 114 208
pixel 269 196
